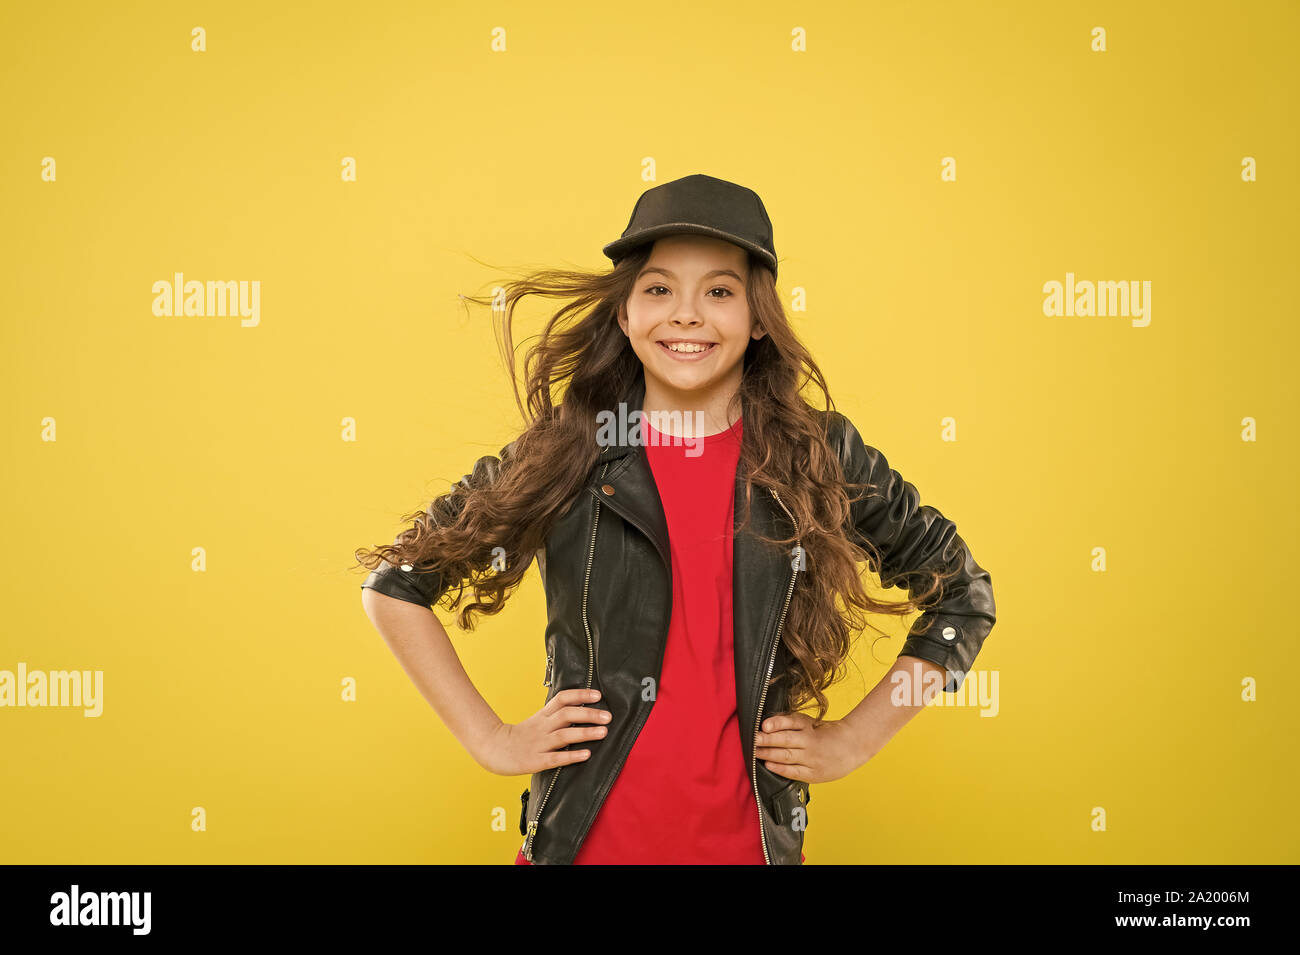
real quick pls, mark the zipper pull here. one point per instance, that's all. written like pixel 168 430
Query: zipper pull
pixel 550 660
pixel 528 843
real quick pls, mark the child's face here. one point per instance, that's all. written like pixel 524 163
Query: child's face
pixel 692 287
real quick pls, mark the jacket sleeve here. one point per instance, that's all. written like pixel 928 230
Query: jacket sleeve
pixel 426 587
pixel 912 537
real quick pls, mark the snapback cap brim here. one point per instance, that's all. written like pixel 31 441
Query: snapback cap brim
pixel 620 247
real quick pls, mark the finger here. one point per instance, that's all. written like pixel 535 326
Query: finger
pixel 793 739
pixel 570 698
pixel 774 723
pixel 786 721
pixel 790 770
pixel 563 757
pixel 576 734
pixel 581 714
pixel 778 754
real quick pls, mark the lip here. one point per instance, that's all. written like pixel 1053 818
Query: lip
pixel 662 344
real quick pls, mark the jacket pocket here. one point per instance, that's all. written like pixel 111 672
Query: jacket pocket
pixel 789 806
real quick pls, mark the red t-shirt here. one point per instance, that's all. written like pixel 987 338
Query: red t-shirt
pixel 684 796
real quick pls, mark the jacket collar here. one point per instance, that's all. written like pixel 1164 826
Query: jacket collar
pixel 622 477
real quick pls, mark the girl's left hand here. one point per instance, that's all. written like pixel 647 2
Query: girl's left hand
pixel 796 746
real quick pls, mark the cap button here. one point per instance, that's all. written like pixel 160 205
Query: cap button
pixel 608 489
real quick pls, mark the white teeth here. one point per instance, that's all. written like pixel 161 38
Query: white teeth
pixel 686 347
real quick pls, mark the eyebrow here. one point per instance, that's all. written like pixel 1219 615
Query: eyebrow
pixel 655 268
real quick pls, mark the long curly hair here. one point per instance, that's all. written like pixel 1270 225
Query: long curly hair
pixel 484 537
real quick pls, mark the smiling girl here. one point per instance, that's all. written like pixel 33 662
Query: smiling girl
pixel 702 575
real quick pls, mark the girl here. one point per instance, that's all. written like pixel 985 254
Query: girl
pixel 699 529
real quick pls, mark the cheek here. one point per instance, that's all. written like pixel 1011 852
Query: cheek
pixel 640 317
pixel 645 324
pixel 739 334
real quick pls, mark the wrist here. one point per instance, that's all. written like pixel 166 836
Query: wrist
pixel 480 743
pixel 864 736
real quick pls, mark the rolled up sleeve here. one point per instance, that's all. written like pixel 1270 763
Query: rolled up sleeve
pixel 424 587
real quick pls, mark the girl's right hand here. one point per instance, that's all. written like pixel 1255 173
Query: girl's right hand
pixel 518 749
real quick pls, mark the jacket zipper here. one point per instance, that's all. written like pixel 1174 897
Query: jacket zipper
pixel 591 666
pixel 758 717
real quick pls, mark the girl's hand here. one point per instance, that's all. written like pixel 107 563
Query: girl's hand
pixel 521 749
pixel 796 746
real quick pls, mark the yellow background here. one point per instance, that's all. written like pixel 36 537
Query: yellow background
pixel 222 689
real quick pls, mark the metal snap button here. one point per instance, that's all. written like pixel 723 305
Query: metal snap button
pixel 608 489
pixel 949 633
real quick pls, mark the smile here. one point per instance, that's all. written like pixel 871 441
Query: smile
pixel 683 351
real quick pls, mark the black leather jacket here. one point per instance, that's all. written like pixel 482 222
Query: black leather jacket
pixel 607 577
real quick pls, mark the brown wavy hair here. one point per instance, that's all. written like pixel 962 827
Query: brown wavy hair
pixel 583 351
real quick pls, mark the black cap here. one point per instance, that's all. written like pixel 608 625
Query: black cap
pixel 701 205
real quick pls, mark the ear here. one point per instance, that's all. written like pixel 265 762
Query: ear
pixel 622 318
pixel 758 332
